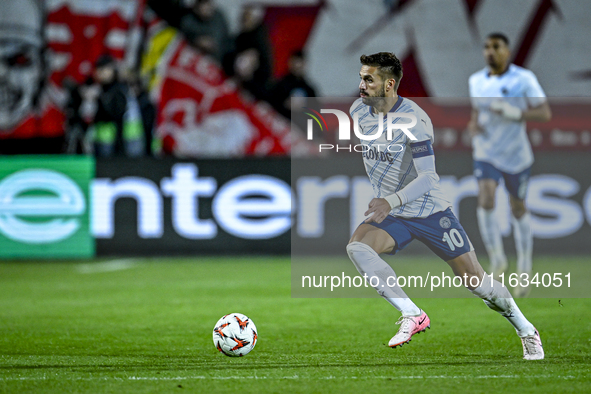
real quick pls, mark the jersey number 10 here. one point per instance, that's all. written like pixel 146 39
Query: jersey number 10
pixel 453 239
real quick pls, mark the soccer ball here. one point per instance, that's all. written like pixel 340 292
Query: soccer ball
pixel 235 335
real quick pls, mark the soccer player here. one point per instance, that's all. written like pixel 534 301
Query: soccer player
pixel 504 97
pixel 409 204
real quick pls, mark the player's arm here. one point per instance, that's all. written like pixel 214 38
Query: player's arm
pixel 427 178
pixel 540 113
pixel 473 127
pixel 538 108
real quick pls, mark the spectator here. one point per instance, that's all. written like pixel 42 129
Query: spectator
pixel 292 86
pixel 75 125
pixel 147 111
pixel 253 34
pixel 205 26
pixel 117 124
pixel 250 61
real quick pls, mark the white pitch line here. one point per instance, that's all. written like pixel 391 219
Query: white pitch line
pixel 107 266
pixel 296 377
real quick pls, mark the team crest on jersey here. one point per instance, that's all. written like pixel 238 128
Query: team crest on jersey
pixel 444 222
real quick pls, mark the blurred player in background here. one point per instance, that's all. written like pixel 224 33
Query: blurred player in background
pixel 409 204
pixel 504 97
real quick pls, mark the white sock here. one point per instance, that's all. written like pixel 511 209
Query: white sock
pixel 367 261
pixel 491 236
pixel 523 243
pixel 498 298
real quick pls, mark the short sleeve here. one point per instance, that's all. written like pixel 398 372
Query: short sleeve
pixel 477 98
pixel 423 130
pixel 533 91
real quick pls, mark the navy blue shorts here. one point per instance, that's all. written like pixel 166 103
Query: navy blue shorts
pixel 441 232
pixel 516 184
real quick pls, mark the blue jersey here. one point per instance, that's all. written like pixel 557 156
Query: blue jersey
pixel 389 163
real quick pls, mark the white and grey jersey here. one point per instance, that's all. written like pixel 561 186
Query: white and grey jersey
pixel 389 163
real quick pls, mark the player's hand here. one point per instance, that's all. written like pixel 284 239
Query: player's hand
pixel 506 110
pixel 380 208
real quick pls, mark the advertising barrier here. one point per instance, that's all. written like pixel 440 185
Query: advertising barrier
pixel 44 206
pixel 167 207
pixel 55 207
pixel 74 207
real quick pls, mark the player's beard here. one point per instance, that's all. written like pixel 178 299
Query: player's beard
pixel 492 62
pixel 376 100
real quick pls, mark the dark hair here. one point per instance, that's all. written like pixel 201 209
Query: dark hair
pixel 104 60
pixel 387 63
pixel 499 36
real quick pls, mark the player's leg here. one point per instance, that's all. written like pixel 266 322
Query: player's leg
pixel 367 242
pixel 523 242
pixel 363 249
pixel 497 297
pixel 517 187
pixel 493 293
pixel 488 181
pixel 445 236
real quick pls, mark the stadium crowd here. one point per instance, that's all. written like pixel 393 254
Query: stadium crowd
pixel 111 102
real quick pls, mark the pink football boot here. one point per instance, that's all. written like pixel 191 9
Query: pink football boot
pixel 409 326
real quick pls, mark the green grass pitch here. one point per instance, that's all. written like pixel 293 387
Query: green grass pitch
pixel 145 326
